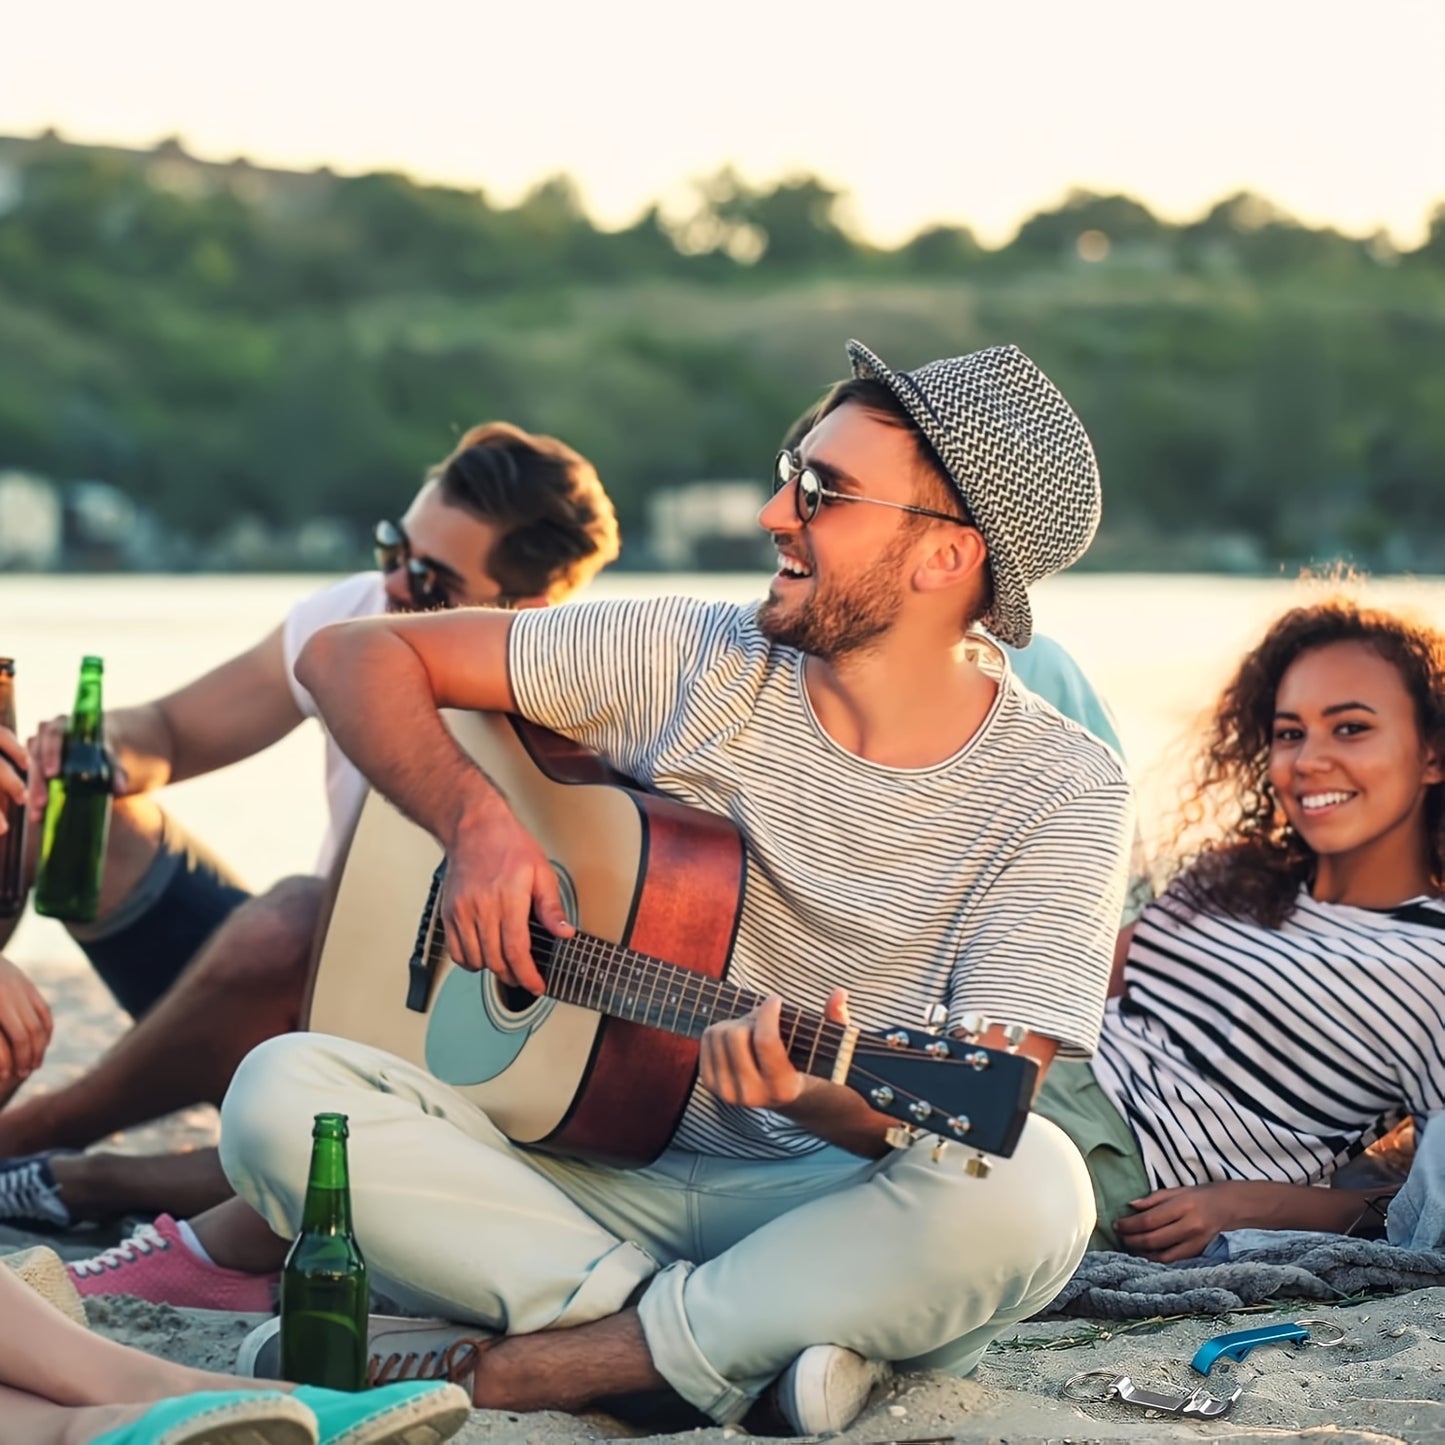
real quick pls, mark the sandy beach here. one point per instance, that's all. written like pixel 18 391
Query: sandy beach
pixel 1384 1382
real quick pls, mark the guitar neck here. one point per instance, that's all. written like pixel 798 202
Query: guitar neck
pixel 611 979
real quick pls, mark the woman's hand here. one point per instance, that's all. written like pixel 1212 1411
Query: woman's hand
pixel 25 1027
pixel 1179 1223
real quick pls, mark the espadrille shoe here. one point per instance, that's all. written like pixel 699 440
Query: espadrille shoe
pixel 220 1417
pixel 417 1412
pixel 44 1272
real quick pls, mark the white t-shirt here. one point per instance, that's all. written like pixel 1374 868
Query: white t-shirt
pixel 363 595
pixel 989 882
pixel 1244 1052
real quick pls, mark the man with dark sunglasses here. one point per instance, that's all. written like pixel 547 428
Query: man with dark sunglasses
pixel 507 520
pixel 925 838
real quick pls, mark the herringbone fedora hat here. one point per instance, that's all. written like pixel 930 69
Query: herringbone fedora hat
pixel 1021 461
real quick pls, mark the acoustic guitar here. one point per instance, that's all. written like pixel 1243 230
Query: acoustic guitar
pixel 601 1066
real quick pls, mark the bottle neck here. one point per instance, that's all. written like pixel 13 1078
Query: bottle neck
pixel 328 1192
pixel 85 721
pixel 7 700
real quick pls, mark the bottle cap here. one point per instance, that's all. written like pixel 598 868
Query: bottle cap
pixel 92 664
pixel 330 1126
pixel 7 666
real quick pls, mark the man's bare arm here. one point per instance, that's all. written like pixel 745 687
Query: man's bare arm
pixel 379 684
pixel 232 712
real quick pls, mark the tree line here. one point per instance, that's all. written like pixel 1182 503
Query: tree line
pixel 222 342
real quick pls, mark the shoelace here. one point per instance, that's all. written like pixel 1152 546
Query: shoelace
pixel 454 1363
pixel 25 1193
pixel 146 1239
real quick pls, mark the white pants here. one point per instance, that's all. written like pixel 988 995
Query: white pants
pixel 745 1263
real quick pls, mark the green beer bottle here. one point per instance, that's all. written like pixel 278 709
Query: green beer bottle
pixel 324 1296
pixel 12 840
pixel 77 812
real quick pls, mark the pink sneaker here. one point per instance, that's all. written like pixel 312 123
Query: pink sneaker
pixel 155 1264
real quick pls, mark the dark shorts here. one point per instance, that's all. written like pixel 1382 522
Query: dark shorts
pixel 184 896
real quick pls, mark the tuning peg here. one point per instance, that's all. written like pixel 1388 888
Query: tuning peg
pixel 978 1167
pixel 934 1018
pixel 974 1024
pixel 938 1149
pixel 900 1136
pixel 1014 1035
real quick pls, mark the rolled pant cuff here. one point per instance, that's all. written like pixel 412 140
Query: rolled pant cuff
pixel 675 1353
pixel 608 1286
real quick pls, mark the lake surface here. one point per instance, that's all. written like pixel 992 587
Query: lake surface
pixel 1156 647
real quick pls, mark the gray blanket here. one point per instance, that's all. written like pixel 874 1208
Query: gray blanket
pixel 1247 1266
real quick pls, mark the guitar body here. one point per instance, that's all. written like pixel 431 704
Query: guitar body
pixel 635 869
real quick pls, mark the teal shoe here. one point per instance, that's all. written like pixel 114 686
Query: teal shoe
pixel 416 1412
pixel 220 1417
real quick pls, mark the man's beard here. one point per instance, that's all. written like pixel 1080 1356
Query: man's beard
pixel 841 618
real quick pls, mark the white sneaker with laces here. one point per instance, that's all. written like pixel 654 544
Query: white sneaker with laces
pixel 400 1347
pixel 827 1387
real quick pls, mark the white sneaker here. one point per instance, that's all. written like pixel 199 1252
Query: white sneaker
pixel 827 1387
pixel 400 1347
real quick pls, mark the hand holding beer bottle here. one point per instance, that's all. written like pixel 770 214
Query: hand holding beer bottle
pixel 324 1291
pixel 77 811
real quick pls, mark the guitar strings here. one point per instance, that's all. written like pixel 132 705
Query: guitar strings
pixel 601 950
pixel 590 948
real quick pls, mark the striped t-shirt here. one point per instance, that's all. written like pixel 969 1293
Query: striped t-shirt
pixel 1245 1052
pixel 989 882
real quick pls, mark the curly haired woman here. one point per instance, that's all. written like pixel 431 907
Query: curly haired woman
pixel 1283 1002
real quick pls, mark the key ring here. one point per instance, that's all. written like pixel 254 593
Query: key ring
pixel 1339 1338
pixel 1198 1403
pixel 1068 1392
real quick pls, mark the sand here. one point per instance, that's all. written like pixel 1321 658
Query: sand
pixel 1384 1383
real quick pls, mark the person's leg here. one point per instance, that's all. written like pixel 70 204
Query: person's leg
pixel 245 986
pixel 907 1259
pixel 912 1260
pixel 153 922
pixel 62 1385
pixel 435 1189
pixel 1072 1098
pixel 235 1236
pixel 102 1185
pixel 45 1354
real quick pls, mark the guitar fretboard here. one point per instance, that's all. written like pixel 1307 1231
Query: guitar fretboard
pixel 611 979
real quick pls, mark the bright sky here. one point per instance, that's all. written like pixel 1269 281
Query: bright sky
pixel 923 110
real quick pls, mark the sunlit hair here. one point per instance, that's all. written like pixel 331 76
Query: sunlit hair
pixel 1254 862
pixel 558 526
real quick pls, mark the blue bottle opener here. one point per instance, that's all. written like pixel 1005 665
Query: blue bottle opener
pixel 1237 1345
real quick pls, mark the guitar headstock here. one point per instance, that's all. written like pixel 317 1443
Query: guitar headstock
pixel 954 1088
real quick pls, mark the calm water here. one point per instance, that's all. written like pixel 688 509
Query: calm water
pixel 1156 647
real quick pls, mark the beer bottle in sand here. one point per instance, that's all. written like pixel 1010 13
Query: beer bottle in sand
pixel 12 840
pixel 324 1296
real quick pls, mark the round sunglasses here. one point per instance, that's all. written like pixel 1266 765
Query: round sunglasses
pixel 811 493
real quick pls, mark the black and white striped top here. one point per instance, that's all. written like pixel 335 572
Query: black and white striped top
pixel 989 882
pixel 1245 1052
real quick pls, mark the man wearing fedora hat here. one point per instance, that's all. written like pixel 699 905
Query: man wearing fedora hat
pixel 920 833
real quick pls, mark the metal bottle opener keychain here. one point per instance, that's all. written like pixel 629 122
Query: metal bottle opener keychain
pixel 1198 1404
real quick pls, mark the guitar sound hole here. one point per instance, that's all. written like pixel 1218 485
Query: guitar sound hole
pixel 515 1000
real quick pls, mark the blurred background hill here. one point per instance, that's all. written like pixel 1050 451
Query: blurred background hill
pixel 223 365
